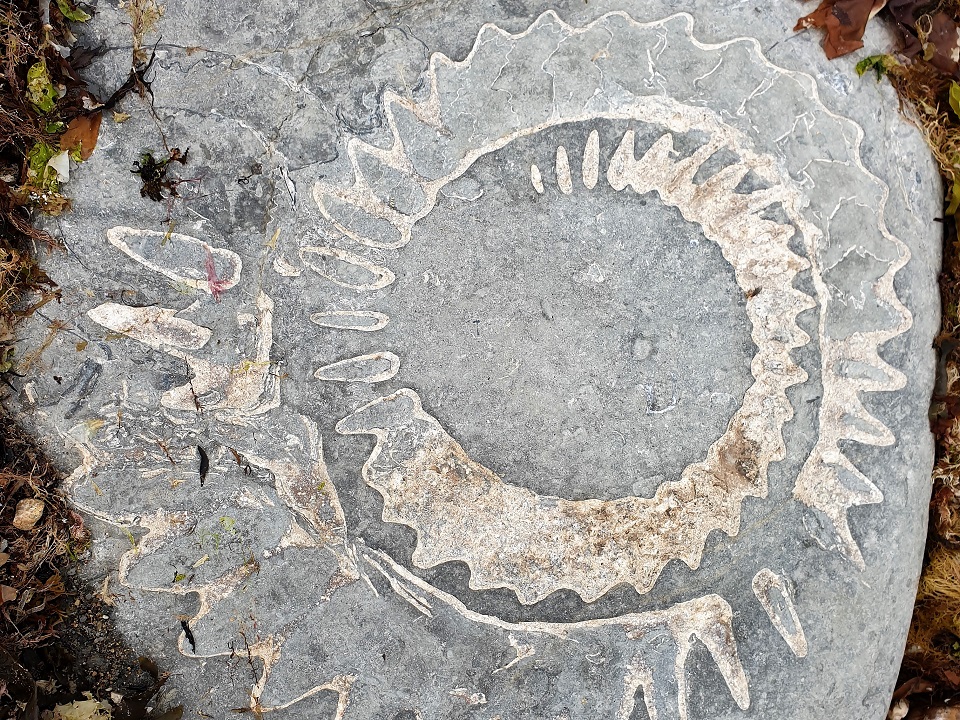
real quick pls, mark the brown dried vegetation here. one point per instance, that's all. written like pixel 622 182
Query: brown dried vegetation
pixel 33 116
pixel 41 99
pixel 38 534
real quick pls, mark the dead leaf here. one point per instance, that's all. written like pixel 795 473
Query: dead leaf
pixel 204 459
pixel 7 594
pixel 844 22
pixel 105 595
pixel 149 666
pixel 47 687
pixel 906 11
pixel 3 558
pixel 82 131
pixel 935 38
pixel 943 37
pixel 89 709
pixel 912 687
pixel 120 117
pixel 29 512
pixel 172 714
pixel 942 713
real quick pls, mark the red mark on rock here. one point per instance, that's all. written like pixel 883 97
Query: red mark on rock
pixel 215 284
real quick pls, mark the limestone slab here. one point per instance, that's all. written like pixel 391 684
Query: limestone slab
pixel 507 360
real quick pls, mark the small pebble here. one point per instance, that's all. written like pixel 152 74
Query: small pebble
pixel 29 512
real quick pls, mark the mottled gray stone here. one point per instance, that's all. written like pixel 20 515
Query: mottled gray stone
pixel 578 372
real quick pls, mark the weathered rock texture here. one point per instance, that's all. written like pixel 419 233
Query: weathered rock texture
pixel 502 361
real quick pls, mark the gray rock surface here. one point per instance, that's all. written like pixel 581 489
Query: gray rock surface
pixel 549 361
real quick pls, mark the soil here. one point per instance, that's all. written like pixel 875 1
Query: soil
pixel 89 655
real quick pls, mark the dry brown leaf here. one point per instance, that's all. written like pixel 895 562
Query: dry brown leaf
pixel 7 594
pixel 899 710
pixel 105 595
pixel 935 38
pixel 943 42
pixel 844 22
pixel 912 687
pixel 83 131
pixel 49 687
pixel 3 558
pixel 29 512
pixel 942 713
